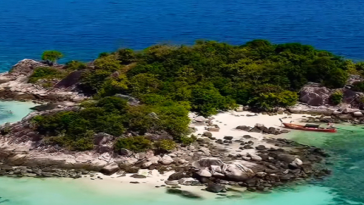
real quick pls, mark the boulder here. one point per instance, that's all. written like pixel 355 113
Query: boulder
pixel 296 162
pixel 171 183
pixel 177 176
pixel 125 152
pixel 260 147
pixel 110 169
pixel 237 172
pixel 314 95
pixel 243 127
pixel 228 137
pixel 207 162
pixel 215 188
pixel 204 173
pixel 255 157
pixel 25 67
pixel 207 134
pixel 358 114
pixel 166 159
pixel 187 181
pixel 102 138
pixel 200 119
pixel 138 176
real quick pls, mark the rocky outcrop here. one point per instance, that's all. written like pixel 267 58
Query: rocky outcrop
pixel 14 85
pixel 25 67
pixel 314 94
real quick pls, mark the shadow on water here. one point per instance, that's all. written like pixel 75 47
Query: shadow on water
pixel 346 148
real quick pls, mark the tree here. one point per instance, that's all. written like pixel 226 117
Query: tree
pixel 52 56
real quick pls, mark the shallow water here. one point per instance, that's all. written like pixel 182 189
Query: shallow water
pixel 345 186
pixel 82 29
pixel 13 111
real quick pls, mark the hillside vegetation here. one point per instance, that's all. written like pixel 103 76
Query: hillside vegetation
pixel 172 80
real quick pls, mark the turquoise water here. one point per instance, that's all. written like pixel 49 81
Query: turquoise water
pixel 84 28
pixel 345 186
pixel 13 111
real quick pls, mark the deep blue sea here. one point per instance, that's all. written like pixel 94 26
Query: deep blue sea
pixel 84 28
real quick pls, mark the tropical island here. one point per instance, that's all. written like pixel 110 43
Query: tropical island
pixel 160 109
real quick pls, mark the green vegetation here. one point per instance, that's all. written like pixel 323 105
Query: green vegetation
pixel 45 73
pixel 170 81
pixel 165 145
pixel 358 86
pixel 52 56
pixel 136 144
pixel 336 97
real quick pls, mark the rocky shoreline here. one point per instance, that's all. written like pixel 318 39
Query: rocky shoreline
pixel 241 161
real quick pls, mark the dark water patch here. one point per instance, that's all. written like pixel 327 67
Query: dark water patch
pixel 83 29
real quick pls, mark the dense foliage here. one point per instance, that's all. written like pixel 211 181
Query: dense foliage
pixel 136 144
pixel 112 115
pixel 214 76
pixel 170 80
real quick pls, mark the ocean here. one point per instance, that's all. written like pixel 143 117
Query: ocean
pixel 83 29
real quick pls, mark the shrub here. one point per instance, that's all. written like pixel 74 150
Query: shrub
pixel 336 97
pixel 52 55
pixel 45 73
pixel 75 65
pixel 136 144
pixel 186 140
pixel 165 145
pixel 358 86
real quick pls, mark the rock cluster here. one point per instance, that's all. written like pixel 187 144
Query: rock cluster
pixel 260 128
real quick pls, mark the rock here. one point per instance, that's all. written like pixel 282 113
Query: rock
pixel 177 176
pixel 286 158
pixel 255 157
pixel 237 172
pixel 215 188
pixel 261 174
pixel 314 95
pixel 138 176
pixel 207 134
pixel 171 183
pixel 146 164
pixel 207 162
pixel 166 159
pixel 204 173
pixel 200 119
pixel 102 138
pixel 358 114
pixel 255 129
pixel 110 169
pixel 205 150
pixel 228 137
pixel 25 67
pixel 260 147
pixel 187 181
pixel 296 162
pixel 243 127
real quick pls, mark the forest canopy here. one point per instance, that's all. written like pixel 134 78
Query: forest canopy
pixel 206 77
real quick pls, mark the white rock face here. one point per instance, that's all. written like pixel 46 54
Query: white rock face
pixel 200 119
pixel 166 159
pixel 297 162
pixel 204 173
pixel 358 114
